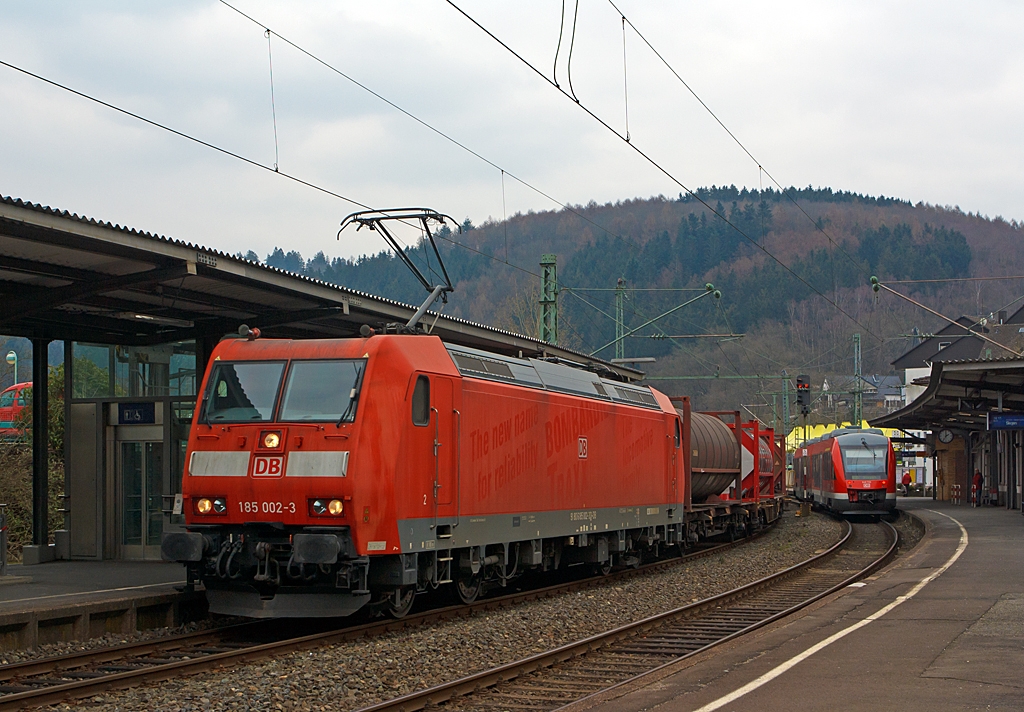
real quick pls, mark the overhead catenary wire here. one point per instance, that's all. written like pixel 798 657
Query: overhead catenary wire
pixel 953 279
pixel 661 168
pixel 238 156
pixel 182 134
pixel 733 136
pixel 639 289
pixel 625 77
pixel 572 43
pixel 504 213
pixel 273 104
pixel 635 312
pixel 505 172
pixel 558 47
pixel 879 285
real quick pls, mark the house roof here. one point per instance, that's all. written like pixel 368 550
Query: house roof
pixel 961 343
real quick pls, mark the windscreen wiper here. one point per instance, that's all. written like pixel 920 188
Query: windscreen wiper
pixel 353 398
pixel 205 419
pixel 874 455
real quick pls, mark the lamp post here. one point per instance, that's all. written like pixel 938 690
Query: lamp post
pixel 12 358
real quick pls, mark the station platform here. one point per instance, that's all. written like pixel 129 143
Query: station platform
pixel 955 643
pixel 62 601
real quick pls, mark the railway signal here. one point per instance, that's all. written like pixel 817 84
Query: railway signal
pixel 803 394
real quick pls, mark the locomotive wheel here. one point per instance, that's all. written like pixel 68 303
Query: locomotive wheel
pixel 468 586
pixel 603 569
pixel 399 602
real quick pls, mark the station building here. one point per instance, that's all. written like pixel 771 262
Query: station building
pixel 965 384
pixel 139 315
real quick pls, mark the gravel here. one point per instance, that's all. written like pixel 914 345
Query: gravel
pixel 348 676
pixel 105 641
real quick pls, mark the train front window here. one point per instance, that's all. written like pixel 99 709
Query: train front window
pixel 864 461
pixel 242 392
pixel 322 391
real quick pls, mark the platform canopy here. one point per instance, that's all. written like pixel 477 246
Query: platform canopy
pixel 68 277
pixel 961 394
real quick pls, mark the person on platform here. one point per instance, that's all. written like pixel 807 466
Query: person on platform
pixel 906 484
pixel 976 488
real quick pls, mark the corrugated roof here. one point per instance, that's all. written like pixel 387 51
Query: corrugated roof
pixel 452 325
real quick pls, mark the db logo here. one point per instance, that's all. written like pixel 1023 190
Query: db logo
pixel 263 466
pixel 582 448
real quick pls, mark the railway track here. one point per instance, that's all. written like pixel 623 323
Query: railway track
pixel 84 674
pixel 596 665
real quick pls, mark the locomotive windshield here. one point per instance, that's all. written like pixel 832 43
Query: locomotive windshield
pixel 322 391
pixel 864 459
pixel 242 392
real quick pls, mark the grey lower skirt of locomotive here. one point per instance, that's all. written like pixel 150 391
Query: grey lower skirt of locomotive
pixel 273 571
pixel 865 455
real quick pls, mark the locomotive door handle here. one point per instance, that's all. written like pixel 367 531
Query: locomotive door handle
pixel 458 465
pixel 437 462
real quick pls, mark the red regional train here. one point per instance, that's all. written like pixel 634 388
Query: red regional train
pixel 13 402
pixel 325 476
pixel 850 471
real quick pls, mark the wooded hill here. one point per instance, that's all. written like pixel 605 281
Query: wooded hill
pixel 775 258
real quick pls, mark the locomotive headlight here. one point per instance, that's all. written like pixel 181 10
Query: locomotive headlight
pixel 220 505
pixel 271 440
pixel 319 506
pixel 335 507
pixel 204 506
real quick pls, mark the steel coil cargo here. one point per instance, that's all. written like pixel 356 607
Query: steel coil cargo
pixel 715 461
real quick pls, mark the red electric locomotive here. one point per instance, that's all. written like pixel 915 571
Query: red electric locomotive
pixel 323 476
pixel 847 471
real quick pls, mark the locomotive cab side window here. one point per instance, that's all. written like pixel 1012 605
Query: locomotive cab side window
pixel 421 402
pixel 679 437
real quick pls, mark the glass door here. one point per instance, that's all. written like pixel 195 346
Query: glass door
pixel 142 517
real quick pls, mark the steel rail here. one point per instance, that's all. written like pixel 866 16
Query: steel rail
pixel 489 678
pixel 56 690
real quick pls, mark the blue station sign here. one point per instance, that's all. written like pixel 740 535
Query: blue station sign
pixel 1005 421
pixel 136 413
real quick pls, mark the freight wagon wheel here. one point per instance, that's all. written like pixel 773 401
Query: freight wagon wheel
pixel 399 603
pixel 467 586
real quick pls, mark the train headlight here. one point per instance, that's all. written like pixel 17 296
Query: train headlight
pixel 220 505
pixel 204 506
pixel 271 440
pixel 324 507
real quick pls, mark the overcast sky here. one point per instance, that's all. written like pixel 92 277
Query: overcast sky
pixel 920 100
